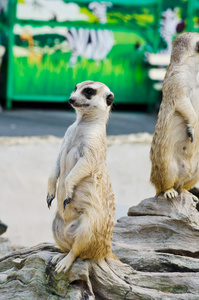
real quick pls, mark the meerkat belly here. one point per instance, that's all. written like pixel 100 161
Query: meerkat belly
pixel 86 196
pixel 68 161
pixel 91 198
pixel 195 103
pixel 185 155
pixel 84 206
pixel 195 98
pixel 183 146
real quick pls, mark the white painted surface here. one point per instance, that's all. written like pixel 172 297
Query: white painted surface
pixel 23 185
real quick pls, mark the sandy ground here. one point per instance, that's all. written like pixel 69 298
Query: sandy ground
pixel 25 164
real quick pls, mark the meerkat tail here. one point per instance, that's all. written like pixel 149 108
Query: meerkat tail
pixel 114 256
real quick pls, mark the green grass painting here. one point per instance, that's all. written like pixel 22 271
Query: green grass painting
pixel 121 70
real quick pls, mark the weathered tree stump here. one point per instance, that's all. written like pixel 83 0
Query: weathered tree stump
pixel 159 241
pixel 160 235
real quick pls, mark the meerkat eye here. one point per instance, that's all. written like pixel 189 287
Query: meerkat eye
pixel 197 47
pixel 89 92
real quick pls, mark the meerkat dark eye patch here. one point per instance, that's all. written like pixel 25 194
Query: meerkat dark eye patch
pixel 89 92
pixel 75 89
pixel 197 47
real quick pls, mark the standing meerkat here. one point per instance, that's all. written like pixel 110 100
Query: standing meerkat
pixel 175 146
pixel 84 221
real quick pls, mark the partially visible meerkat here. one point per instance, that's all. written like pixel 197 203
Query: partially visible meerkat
pixel 175 145
pixel 84 221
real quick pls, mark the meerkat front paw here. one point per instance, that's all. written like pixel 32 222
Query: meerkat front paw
pixel 190 132
pixel 69 194
pixel 49 199
pixel 51 190
pixel 68 199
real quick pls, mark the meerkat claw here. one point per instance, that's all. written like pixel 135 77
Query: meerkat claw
pixel 190 134
pixel 49 200
pixel 195 199
pixel 171 194
pixel 56 258
pixel 50 264
pixel 67 201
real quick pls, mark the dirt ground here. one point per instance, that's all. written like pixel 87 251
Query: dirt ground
pixel 25 165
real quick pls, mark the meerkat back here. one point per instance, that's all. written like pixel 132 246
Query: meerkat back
pixel 175 145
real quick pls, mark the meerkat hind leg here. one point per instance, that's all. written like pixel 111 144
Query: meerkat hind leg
pixel 65 263
pixel 171 193
pixel 57 257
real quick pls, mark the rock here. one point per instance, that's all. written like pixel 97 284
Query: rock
pixel 159 241
pixel 159 235
pixel 26 274
pixel 181 208
pixel 3 227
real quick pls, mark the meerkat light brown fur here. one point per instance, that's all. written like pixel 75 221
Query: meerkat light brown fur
pixel 84 221
pixel 175 146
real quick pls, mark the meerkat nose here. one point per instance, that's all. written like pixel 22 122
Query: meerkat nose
pixel 71 100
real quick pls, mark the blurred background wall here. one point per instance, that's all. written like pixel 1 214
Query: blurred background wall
pixel 47 46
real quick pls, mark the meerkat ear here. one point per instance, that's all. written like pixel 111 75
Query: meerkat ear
pixel 109 99
pixel 197 47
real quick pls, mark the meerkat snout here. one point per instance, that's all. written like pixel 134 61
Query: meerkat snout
pixel 71 101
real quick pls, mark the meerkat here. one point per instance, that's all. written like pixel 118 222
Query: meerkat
pixel 84 220
pixel 175 145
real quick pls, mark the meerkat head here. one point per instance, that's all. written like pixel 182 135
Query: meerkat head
pixel 91 96
pixel 184 45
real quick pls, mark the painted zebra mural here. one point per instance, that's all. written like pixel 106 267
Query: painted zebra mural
pixel 91 43
pixel 170 25
pixel 99 10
